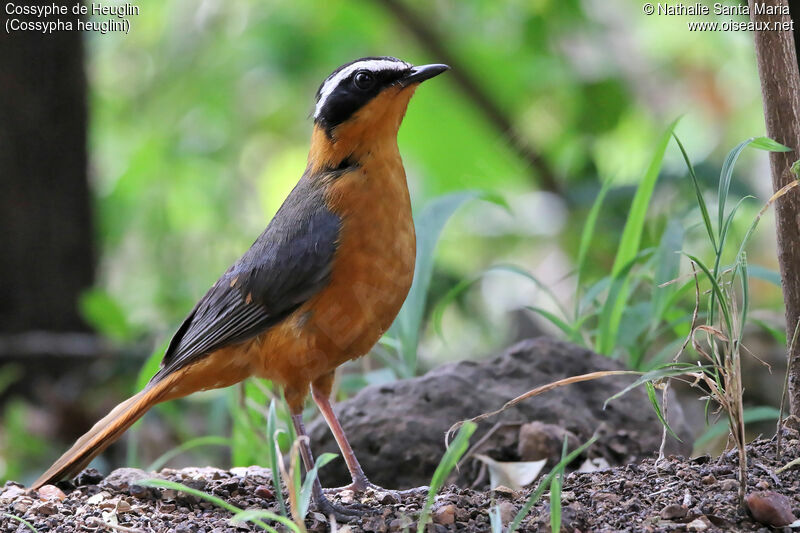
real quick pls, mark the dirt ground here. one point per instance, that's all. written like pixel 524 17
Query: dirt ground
pixel 697 494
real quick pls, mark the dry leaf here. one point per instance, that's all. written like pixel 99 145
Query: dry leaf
pixel 512 474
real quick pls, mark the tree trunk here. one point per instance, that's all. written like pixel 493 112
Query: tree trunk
pixel 46 240
pixel 780 88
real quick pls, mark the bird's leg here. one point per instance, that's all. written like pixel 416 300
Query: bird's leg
pixel 320 391
pixel 321 398
pixel 342 514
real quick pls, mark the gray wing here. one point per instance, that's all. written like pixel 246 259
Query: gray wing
pixel 288 264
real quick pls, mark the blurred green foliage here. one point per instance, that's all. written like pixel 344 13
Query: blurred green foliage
pixel 200 127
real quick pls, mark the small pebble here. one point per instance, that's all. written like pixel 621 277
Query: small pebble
pixel 45 508
pixel 445 515
pixel 699 524
pixel 262 491
pixel 51 492
pixel 673 511
pixel 22 505
pixel 770 508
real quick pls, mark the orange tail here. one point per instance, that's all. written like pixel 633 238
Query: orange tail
pixel 106 431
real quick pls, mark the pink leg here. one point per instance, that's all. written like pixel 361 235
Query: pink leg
pixel 360 481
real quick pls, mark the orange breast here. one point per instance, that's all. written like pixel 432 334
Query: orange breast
pixel 371 275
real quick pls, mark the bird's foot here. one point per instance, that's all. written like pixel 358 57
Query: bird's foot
pixel 360 487
pixel 342 513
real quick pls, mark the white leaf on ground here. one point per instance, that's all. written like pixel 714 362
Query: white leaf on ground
pixel 512 474
pixel 593 465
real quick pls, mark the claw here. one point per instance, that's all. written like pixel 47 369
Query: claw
pixel 340 512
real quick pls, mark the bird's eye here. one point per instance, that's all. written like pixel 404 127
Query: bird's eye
pixel 364 80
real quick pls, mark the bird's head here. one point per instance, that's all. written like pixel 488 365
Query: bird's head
pixel 364 101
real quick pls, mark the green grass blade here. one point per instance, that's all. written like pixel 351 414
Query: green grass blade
pixel 634 226
pixel 725 180
pixel 571 332
pixel 699 193
pixel 613 308
pixel 495 519
pixel 765 274
pixel 165 484
pixel 629 246
pixel 545 483
pixel 272 440
pixel 463 285
pixel 150 367
pixel 765 143
pixel 449 461
pixel 555 493
pixel 651 394
pixel 722 238
pixel 721 427
pixel 667 267
pixel 209 440
pixel 25 522
pixel 308 482
pixel 586 238
pixel 429 225
pixel 666 371
pixel 717 290
pixel 255 516
pixel 745 281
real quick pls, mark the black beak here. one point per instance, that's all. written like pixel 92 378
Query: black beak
pixel 422 73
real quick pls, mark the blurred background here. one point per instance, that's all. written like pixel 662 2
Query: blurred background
pixel 136 167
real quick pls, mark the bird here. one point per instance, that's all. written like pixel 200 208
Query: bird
pixel 317 288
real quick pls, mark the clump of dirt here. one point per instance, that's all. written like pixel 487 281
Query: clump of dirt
pixel 677 494
pixel 397 429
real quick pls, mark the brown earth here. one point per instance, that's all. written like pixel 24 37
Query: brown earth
pixel 677 495
pixel 397 430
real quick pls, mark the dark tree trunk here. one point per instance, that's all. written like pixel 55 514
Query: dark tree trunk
pixel 46 241
pixel 780 87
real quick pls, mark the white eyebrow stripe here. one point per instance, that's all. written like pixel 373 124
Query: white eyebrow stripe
pixel 373 65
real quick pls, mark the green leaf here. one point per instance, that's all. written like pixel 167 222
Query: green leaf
pixel 105 315
pixel 449 461
pixel 765 274
pixel 778 334
pixel 308 482
pixel 165 484
pixel 587 234
pixel 150 367
pixel 700 199
pixel 613 308
pixel 666 371
pixel 765 143
pixel 569 331
pixel 30 526
pixel 545 483
pixel 716 291
pixel 725 180
pixel 745 282
pixel 651 394
pixel 667 266
pixel 496 519
pixel 750 415
pixel 555 493
pixel 274 455
pixel 429 225
pixel 629 246
pixel 458 289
